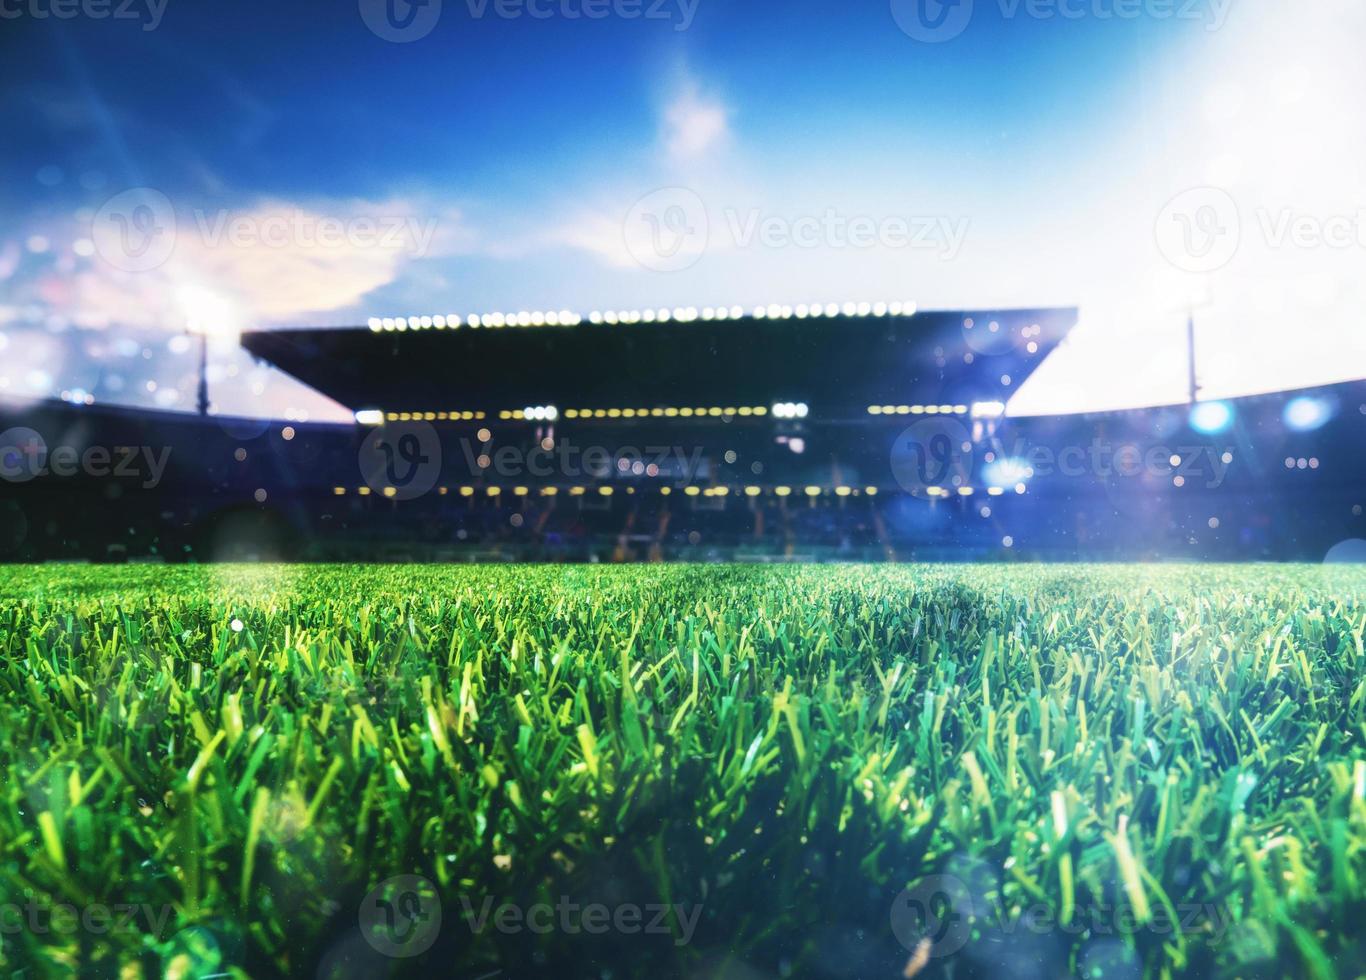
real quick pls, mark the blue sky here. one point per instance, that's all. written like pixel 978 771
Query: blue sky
pixel 1045 154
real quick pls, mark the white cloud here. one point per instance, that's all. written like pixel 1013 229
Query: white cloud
pixel 273 262
pixel 694 125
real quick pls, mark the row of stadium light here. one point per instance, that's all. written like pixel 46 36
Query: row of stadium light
pixel 969 491
pixel 694 491
pixel 607 491
pixel 374 418
pixel 453 321
pixel 978 410
pixel 917 410
pixel 715 411
pixel 549 413
pixel 679 314
pixel 532 413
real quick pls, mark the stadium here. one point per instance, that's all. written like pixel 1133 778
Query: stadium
pixel 701 435
pixel 405 572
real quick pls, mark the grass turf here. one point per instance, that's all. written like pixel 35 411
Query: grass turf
pixel 1111 771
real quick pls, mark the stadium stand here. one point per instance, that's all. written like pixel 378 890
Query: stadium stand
pixel 866 432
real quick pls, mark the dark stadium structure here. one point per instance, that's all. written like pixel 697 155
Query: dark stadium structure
pixel 862 432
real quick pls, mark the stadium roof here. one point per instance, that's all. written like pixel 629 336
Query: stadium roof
pixel 839 360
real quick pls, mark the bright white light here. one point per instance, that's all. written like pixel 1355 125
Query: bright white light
pixel 206 312
pixel 1306 413
pixel 1004 472
pixel 988 410
pixel 1211 418
pixel 800 409
pixel 369 416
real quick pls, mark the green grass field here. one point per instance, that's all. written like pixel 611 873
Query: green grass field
pixel 755 772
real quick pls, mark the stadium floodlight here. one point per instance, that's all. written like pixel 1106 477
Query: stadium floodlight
pixel 1007 471
pixel 369 416
pixel 988 410
pixel 1307 413
pixel 1211 418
